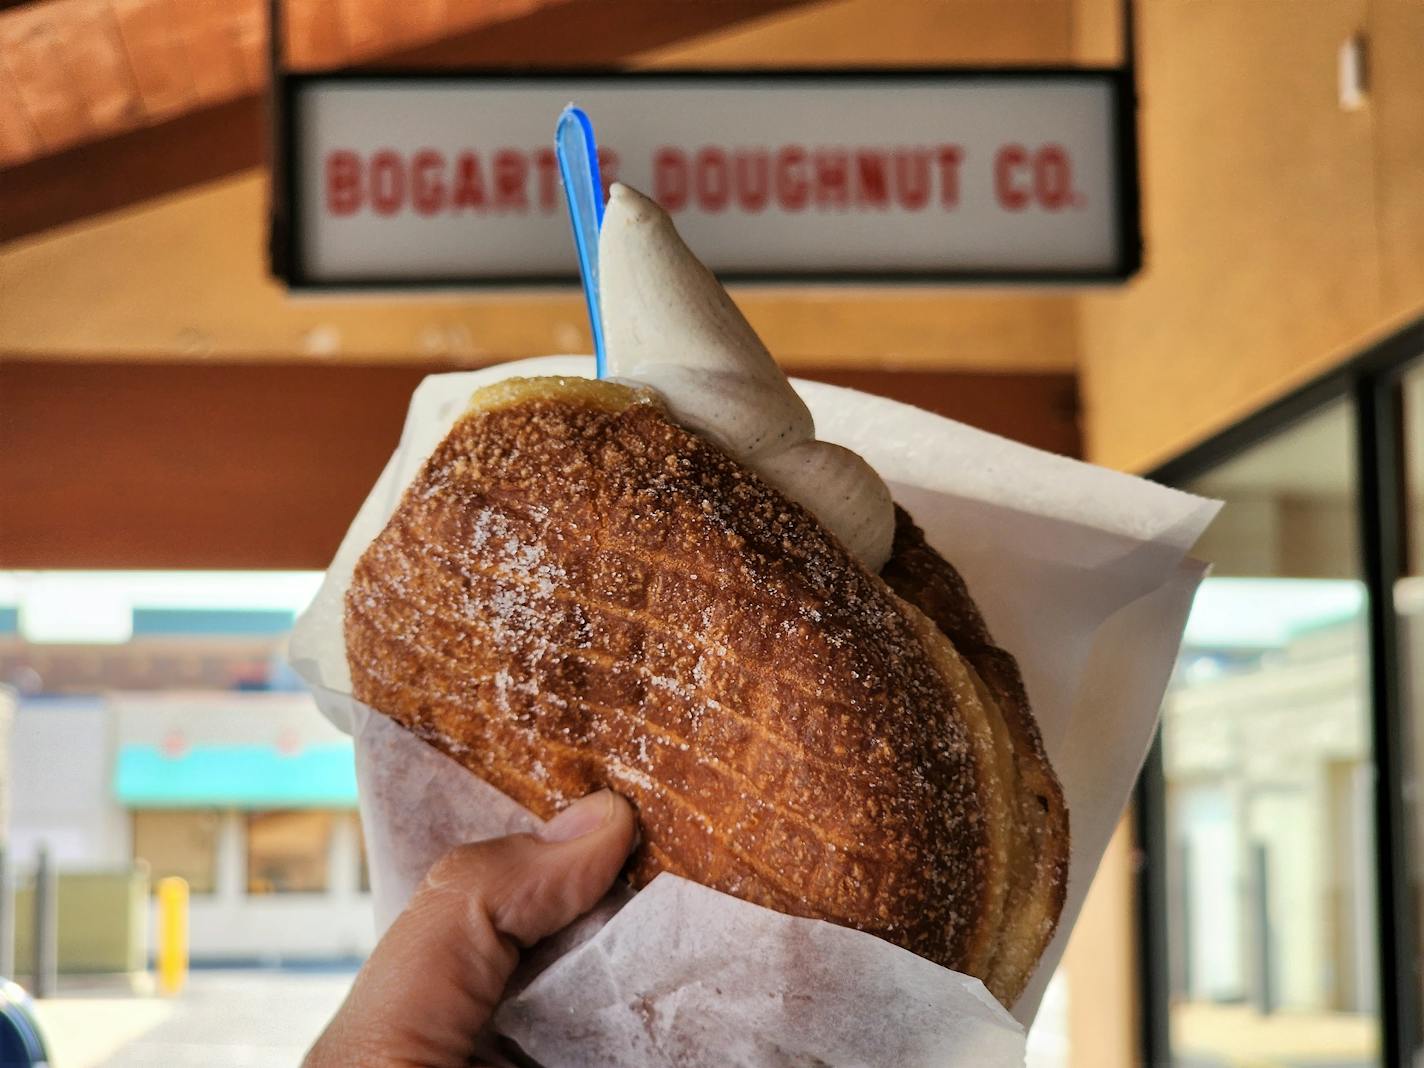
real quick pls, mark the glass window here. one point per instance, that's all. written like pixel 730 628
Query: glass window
pixel 180 842
pixel 288 852
pixel 1272 932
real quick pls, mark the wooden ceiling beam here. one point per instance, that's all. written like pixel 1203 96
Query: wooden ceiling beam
pixel 83 70
pixel 217 125
pixel 79 71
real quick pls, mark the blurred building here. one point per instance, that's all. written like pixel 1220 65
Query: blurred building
pixel 188 750
pixel 1263 751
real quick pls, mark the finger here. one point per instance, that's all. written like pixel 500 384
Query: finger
pixel 437 974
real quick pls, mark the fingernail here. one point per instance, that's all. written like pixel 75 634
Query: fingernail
pixel 582 817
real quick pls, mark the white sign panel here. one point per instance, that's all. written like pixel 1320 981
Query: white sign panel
pixel 399 180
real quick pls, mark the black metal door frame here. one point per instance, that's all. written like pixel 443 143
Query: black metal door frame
pixel 1370 384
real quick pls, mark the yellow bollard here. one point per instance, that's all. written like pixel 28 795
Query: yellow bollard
pixel 172 934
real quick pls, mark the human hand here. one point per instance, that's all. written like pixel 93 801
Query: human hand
pixel 434 979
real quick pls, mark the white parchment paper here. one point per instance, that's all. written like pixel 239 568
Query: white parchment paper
pixel 1082 573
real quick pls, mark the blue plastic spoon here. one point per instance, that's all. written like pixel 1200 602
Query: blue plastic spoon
pixel 583 187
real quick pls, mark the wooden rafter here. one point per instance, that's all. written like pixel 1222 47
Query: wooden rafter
pixel 89 89
pixel 77 71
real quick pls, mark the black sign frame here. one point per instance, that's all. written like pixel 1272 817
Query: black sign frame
pixel 284 233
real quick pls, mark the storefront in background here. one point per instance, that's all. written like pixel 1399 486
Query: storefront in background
pixel 182 750
pixel 1280 813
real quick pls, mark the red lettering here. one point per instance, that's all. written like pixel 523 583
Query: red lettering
pixel 546 168
pixel 871 189
pixel 950 156
pixel 1053 177
pixel 832 179
pixel 1010 160
pixel 510 172
pixel 670 178
pixel 912 178
pixel 607 168
pixel 427 187
pixel 752 171
pixel 792 188
pixel 387 182
pixel 711 180
pixel 343 183
pixel 469 189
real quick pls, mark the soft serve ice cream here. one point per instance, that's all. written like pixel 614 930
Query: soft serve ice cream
pixel 668 324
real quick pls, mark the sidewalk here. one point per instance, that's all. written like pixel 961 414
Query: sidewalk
pixel 223 1019
pixel 267 1018
pixel 1236 1036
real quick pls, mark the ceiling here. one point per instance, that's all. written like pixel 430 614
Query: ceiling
pixel 105 104
pixel 109 102
pixel 76 71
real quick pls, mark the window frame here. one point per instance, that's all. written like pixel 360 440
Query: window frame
pixel 1369 383
pixel 249 815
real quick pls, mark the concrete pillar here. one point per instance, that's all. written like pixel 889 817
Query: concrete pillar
pixel 231 883
pixel 1100 965
pixel 344 859
pixel 8 702
pixel 7 915
pixel 44 971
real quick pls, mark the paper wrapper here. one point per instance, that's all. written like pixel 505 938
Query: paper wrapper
pixel 1081 573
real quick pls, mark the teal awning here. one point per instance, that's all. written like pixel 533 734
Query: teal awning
pixel 236 776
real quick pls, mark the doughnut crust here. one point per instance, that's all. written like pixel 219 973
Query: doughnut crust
pixel 576 593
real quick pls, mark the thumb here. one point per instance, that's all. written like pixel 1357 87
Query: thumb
pixel 433 980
